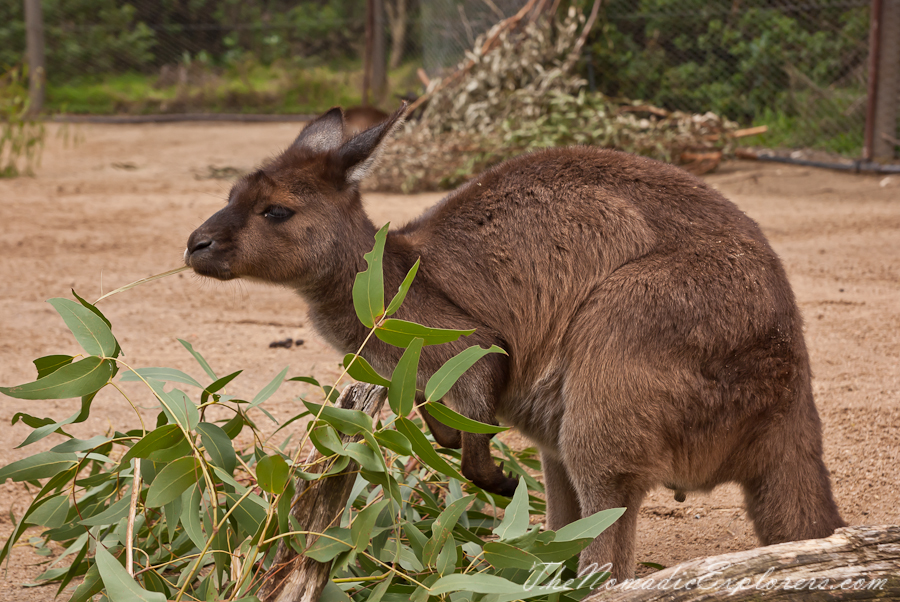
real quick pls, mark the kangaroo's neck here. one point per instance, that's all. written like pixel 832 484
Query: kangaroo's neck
pixel 329 293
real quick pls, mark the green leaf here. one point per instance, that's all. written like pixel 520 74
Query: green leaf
pixel 52 513
pixel 163 437
pixel 73 380
pixel 116 512
pixel 234 426
pixel 397 301
pixel 559 551
pixel 306 379
pixel 360 370
pixel 365 456
pixel 91 332
pixel 250 513
pixel 218 446
pixel 447 416
pixel 120 586
pixel 199 358
pixel 425 451
pixel 368 288
pixel 38 466
pixel 449 373
pixel 326 440
pixel 167 375
pixel 89 587
pixel 332 593
pixel 285 504
pixel 56 427
pixel 349 422
pixel 269 389
pixel 190 515
pixel 446 560
pixel 590 526
pixel 77 445
pixel 515 518
pixel 402 393
pixel 475 583
pixel 172 481
pixel 272 473
pixel 218 385
pixel 400 333
pixel 179 408
pixel 334 541
pixel 91 307
pixel 361 528
pixel 504 556
pixel 51 363
pixel 172 512
pixel 442 527
pixel 394 441
pixel 378 593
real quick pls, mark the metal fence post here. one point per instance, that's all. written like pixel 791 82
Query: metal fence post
pixel 34 33
pixel 884 88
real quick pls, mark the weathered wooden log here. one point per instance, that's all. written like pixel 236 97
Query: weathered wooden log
pixel 856 563
pixel 296 578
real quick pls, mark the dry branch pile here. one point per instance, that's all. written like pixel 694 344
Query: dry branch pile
pixel 519 90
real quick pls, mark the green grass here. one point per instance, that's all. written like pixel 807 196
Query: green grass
pixel 833 124
pixel 243 88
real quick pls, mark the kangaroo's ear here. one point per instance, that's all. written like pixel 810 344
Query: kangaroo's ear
pixel 358 156
pixel 323 134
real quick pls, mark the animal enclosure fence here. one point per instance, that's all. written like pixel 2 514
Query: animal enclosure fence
pixel 811 70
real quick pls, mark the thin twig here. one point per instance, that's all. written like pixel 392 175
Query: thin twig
pixel 576 50
pixel 135 495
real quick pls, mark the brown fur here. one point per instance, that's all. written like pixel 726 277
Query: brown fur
pixel 652 334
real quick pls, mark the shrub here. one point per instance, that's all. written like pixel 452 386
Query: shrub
pixel 206 514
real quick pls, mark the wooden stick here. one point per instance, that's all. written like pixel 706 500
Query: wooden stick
pixel 296 578
pixel 132 509
pixel 760 129
pixel 856 563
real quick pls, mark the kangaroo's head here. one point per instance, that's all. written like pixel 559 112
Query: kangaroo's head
pixel 291 220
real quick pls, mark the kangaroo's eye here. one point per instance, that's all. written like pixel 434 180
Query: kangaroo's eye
pixel 277 213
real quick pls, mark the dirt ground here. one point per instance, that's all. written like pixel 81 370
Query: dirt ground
pixel 120 205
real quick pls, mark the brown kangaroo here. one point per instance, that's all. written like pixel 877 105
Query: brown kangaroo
pixel 653 337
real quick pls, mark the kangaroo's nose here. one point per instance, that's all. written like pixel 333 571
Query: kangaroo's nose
pixel 200 244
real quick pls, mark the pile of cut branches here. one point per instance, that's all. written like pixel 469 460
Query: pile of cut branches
pixel 519 90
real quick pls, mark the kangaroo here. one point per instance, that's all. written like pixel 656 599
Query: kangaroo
pixel 651 332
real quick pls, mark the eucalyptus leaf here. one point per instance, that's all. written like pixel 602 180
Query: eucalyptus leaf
pixel 368 288
pixel 401 333
pixel 72 380
pixel 172 481
pixel 443 380
pixel 272 473
pixel 91 332
pixel 455 420
pixel 402 393
pixel 359 369
pixel 120 586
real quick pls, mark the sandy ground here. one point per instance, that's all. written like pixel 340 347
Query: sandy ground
pixel 120 205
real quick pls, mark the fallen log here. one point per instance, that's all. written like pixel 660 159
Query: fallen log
pixel 699 163
pixel 856 563
pixel 296 578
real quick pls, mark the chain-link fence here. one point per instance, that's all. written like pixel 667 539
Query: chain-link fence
pixel 799 66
